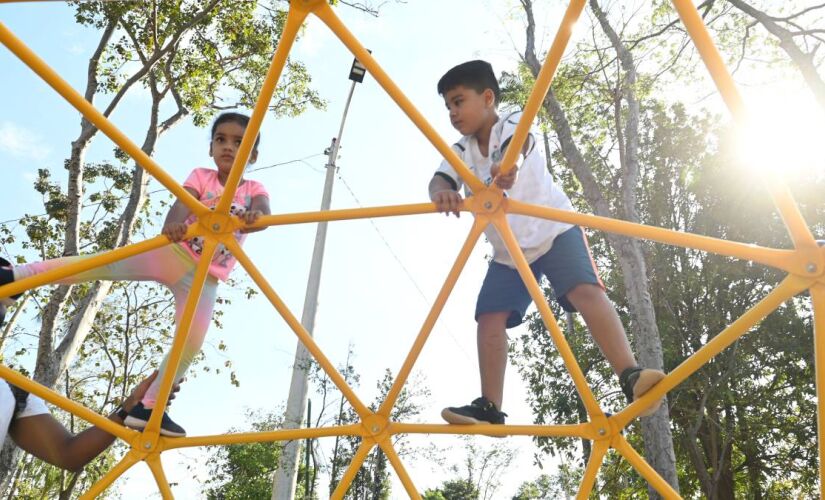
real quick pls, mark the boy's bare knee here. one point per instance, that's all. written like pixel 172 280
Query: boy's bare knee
pixel 493 321
pixel 585 292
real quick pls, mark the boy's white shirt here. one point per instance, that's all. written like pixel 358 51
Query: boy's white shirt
pixel 533 185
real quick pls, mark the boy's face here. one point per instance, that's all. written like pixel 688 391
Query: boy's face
pixel 470 110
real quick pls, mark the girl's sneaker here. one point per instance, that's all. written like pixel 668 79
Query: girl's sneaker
pixel 139 417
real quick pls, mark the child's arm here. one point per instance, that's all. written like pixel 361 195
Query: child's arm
pixel 259 207
pixel 174 226
pixel 505 181
pixel 444 195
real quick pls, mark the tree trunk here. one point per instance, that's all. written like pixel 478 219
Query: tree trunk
pixel 655 429
pixel 51 362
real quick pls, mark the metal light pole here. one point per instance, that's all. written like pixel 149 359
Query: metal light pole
pixel 283 487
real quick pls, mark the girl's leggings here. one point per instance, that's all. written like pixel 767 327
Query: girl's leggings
pixel 170 265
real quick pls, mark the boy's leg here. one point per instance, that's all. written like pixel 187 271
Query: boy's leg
pixel 574 277
pixel 492 354
pixel 604 324
pixel 502 302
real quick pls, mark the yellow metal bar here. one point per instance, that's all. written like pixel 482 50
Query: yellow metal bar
pixel 181 332
pixel 27 56
pixel 295 17
pixel 583 388
pixel 710 55
pixel 262 437
pixel 344 214
pixel 115 472
pixel 153 461
pixel 789 287
pixel 389 451
pixel 60 401
pixel 401 378
pixel 569 430
pixel 296 327
pixel 327 15
pixel 818 298
pixel 593 465
pixel 798 229
pixel 102 259
pixel 357 460
pixel 787 260
pixel 643 468
pixel 542 83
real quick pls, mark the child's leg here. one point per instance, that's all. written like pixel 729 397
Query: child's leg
pixel 574 277
pixel 166 265
pixel 502 303
pixel 604 324
pixel 197 332
pixel 492 354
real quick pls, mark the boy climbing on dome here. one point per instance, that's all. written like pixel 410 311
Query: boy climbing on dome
pixel 553 249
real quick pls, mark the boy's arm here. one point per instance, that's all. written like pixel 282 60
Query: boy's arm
pixel 506 181
pixel 174 226
pixel 445 196
pixel 258 207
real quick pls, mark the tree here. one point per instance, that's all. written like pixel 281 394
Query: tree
pixel 564 484
pixel 454 489
pixel 799 43
pixel 244 471
pixel 203 56
pixel 617 100
pixel 478 475
pixel 372 479
pixel 739 423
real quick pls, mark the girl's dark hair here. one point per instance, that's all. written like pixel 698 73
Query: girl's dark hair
pixel 239 118
pixel 477 75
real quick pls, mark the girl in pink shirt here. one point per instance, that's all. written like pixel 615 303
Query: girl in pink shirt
pixel 174 265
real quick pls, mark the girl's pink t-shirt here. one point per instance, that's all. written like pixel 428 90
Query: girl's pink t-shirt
pixel 205 182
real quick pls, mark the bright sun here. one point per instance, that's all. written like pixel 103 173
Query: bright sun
pixel 785 135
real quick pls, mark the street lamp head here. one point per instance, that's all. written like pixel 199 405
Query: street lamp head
pixel 358 70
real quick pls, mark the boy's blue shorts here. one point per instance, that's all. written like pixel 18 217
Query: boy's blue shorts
pixel 567 264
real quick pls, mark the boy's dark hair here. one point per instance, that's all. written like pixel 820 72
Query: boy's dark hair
pixel 477 75
pixel 239 118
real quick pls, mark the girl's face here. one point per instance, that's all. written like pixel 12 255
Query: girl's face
pixel 225 143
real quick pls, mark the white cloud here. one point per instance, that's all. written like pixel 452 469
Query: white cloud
pixel 21 143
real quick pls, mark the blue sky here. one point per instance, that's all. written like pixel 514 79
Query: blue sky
pixel 368 299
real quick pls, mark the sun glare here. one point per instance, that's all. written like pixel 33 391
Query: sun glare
pixel 785 136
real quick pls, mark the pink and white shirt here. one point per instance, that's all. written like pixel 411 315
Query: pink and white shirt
pixel 205 182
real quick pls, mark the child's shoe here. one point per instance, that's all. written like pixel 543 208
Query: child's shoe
pixel 138 418
pixel 480 411
pixel 635 382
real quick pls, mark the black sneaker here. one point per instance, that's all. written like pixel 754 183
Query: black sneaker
pixel 635 382
pixel 480 411
pixel 139 417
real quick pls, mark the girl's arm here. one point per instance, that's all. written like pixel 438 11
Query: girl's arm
pixel 259 207
pixel 174 226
